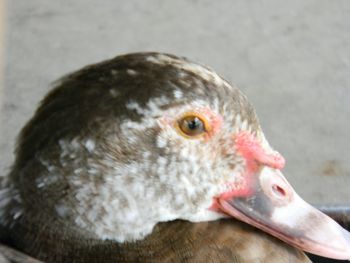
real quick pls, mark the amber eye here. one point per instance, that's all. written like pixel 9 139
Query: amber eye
pixel 192 125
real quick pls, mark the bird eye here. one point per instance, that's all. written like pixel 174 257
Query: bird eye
pixel 192 125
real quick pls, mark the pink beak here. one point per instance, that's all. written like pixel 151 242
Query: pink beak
pixel 271 204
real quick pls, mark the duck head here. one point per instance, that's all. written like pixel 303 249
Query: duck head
pixel 145 138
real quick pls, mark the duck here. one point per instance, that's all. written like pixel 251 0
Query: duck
pixel 150 157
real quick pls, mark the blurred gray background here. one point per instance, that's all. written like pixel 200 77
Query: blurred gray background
pixel 291 58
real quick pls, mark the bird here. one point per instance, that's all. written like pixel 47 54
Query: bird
pixel 150 157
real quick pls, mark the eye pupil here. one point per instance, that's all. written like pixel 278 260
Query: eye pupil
pixel 192 126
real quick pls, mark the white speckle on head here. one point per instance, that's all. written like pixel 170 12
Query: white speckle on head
pixel 178 94
pixel 114 72
pixel 114 93
pixel 51 168
pixel 244 125
pixel 161 142
pixel 131 72
pixel 238 122
pixel 234 123
pixel 132 105
pixel 17 214
pixel 154 105
pixel 10 196
pixel 153 59
pixel 197 69
pixel 46 180
pixel 40 185
pixel 150 114
pixel 62 210
pixel 146 154
pixel 68 147
pixel 90 145
pixel 78 171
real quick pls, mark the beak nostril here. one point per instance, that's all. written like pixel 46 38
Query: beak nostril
pixel 278 190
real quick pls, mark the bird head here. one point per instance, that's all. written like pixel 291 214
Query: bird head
pixel 145 138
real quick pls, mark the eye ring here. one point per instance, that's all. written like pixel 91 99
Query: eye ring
pixel 192 125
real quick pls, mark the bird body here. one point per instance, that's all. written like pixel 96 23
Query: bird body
pixel 143 158
pixel 224 240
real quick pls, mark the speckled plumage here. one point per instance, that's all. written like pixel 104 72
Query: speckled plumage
pixel 100 164
pixel 108 152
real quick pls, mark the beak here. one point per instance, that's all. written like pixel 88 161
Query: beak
pixel 272 205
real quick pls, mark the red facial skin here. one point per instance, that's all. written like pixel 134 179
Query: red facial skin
pixel 252 151
pixel 255 156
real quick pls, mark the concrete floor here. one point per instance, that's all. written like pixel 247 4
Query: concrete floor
pixel 292 59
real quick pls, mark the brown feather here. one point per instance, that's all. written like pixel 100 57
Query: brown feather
pixel 225 240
